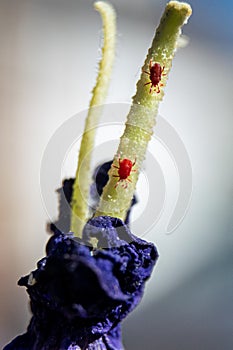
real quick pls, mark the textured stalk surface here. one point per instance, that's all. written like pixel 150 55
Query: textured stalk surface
pixel 116 199
pixel 83 177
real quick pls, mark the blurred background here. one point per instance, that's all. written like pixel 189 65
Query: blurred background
pixel 48 66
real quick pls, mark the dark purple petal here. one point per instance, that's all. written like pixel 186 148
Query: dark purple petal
pixel 65 196
pixel 79 294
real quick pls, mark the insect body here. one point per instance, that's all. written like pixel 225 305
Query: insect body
pixel 156 73
pixel 124 170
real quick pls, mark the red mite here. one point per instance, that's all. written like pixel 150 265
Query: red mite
pixel 156 73
pixel 124 170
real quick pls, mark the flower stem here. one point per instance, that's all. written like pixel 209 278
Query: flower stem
pixel 82 182
pixel 116 198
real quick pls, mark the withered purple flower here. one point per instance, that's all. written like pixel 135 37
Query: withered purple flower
pixel 79 294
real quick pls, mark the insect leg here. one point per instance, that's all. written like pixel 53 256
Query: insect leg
pixel 150 63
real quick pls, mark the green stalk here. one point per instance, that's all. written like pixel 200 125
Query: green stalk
pixel 115 200
pixel 82 182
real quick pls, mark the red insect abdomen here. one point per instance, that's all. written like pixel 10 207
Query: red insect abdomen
pixel 125 168
pixel 155 74
pixel 155 79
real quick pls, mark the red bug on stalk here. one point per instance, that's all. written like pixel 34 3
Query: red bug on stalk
pixel 124 171
pixel 155 73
